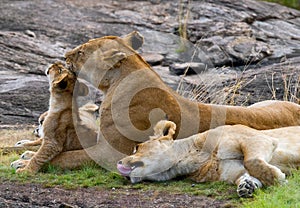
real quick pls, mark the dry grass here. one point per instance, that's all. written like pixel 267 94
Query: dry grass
pixel 8 137
pixel 290 82
pixel 212 87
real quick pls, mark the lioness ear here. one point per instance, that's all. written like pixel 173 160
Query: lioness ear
pixel 164 129
pixel 134 39
pixel 82 89
pixel 169 129
pixel 62 83
pixel 113 57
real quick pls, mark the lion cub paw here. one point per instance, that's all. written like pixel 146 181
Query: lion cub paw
pixel 23 170
pixel 247 186
pixel 19 164
pixel 27 155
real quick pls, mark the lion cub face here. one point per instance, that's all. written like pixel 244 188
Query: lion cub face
pixel 151 158
pixel 60 79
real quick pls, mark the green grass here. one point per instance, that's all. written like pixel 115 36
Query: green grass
pixel 289 3
pixel 92 175
pixel 284 196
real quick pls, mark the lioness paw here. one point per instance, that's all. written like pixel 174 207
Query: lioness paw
pixel 27 155
pixel 21 143
pixel 18 164
pixel 247 187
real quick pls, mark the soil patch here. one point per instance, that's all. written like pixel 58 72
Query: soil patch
pixel 34 195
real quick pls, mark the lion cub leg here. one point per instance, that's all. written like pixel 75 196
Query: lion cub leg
pixel 23 161
pixel 48 150
pixel 257 153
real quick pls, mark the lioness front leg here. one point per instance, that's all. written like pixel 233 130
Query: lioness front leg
pixel 257 153
pixel 48 150
pixel 233 171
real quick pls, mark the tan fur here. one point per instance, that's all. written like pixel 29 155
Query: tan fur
pixel 111 64
pixel 60 127
pixel 86 115
pixel 226 153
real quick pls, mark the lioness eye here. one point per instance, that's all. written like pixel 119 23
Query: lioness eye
pixel 80 53
pixel 135 149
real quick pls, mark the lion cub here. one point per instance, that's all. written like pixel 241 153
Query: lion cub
pixel 61 128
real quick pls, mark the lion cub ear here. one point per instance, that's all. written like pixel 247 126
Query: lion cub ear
pixel 134 39
pixel 164 130
pixel 62 83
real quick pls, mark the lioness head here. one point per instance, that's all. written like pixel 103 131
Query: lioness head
pixel 62 81
pixel 104 52
pixel 151 159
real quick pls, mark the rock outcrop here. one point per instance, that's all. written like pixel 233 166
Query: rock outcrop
pixel 249 49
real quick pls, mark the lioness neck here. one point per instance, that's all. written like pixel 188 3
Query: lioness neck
pixel 187 152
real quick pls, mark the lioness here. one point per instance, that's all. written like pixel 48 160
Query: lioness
pixel 136 98
pixel 236 154
pixel 60 127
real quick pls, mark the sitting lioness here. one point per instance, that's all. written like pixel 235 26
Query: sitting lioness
pixel 236 154
pixel 60 127
pixel 136 98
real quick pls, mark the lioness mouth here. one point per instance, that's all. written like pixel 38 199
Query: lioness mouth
pixel 125 171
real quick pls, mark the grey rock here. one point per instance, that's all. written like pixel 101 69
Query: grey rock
pixel 187 68
pixel 153 59
pixel 233 39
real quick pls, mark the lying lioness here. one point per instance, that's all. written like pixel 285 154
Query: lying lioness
pixel 236 154
pixel 62 124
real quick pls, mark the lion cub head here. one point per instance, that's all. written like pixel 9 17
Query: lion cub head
pixel 62 81
pixel 151 159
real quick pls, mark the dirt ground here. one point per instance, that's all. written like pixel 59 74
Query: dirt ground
pixel 33 195
pixel 13 194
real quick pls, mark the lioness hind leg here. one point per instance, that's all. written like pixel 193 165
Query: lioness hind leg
pixel 247 185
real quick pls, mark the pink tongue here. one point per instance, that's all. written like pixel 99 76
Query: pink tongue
pixel 125 171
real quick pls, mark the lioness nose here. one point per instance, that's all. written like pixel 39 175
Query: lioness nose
pixel 137 164
pixel 120 162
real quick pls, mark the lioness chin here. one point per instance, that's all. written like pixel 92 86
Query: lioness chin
pixel 236 154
